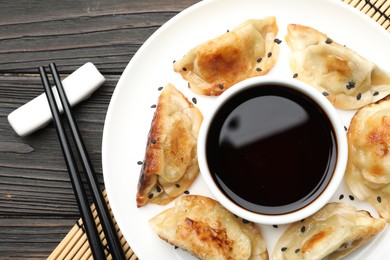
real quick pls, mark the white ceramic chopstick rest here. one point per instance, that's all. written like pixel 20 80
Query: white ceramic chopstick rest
pixel 36 113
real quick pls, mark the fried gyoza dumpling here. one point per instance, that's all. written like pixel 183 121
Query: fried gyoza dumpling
pixel 368 168
pixel 203 227
pixel 171 164
pixel 348 80
pixel 331 233
pixel 246 51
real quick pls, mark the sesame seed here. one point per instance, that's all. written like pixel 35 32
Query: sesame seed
pixel 283 249
pixel 275 226
pixel 376 93
pixel 269 54
pixel 153 141
pixel 158 188
pixel 245 221
pixel 303 229
pixel 220 86
pixel 174 61
pixel 177 185
pixel 227 31
pixel 297 250
pixel 295 75
pixel 160 88
pixel 351 197
pixel 359 96
pixel 186 192
pixel 258 69
pixel 325 93
pixel 176 247
pixel 259 60
pixel 328 41
pixel 277 41
pixel 139 162
pixel 350 85
pixel 153 106
pixel 150 196
pixel 345 128
pixel 379 199
pixel 194 100
pixel 184 69
pixel 341 197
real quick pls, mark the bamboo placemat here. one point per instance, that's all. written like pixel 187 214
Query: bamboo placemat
pixel 75 244
pixel 379 10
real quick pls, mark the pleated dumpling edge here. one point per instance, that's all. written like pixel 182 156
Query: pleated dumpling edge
pixel 249 50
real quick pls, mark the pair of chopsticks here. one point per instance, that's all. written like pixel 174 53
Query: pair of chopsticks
pixel 104 216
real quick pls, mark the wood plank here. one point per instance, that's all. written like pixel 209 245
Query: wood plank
pixel 33 176
pixel 31 237
pixel 105 33
pixel 35 191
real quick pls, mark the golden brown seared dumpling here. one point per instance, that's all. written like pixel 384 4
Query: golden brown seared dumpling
pixel 246 51
pixel 368 168
pixel 171 164
pixel 203 227
pixel 331 233
pixel 348 80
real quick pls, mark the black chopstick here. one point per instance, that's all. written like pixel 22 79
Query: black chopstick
pixel 101 207
pixel 80 194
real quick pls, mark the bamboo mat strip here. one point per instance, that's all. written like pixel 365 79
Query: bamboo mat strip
pixel 379 10
pixel 75 244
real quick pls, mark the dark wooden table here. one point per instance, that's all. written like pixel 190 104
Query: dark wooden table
pixel 37 205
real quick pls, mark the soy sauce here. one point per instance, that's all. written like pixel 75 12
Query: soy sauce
pixel 271 150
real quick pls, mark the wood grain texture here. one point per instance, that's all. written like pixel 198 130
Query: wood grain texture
pixel 107 33
pixel 37 205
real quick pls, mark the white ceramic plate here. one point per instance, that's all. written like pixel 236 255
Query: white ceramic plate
pixel 130 113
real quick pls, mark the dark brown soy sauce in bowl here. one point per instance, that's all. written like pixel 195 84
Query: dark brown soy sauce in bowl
pixel 271 149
